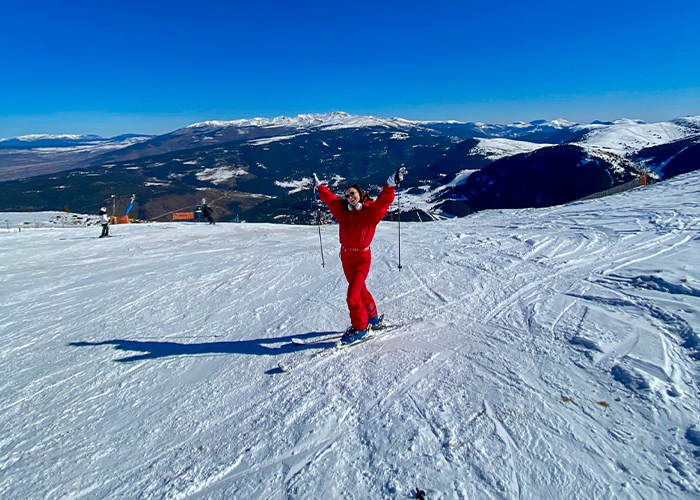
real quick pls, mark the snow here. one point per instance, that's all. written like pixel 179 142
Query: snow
pixel 269 140
pixel 623 136
pixel 495 149
pixel 400 136
pixel 561 123
pixel 334 120
pixel 218 175
pixel 629 136
pixel 295 186
pixel 37 137
pixel 545 353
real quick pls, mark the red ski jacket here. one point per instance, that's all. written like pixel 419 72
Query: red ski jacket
pixel 357 226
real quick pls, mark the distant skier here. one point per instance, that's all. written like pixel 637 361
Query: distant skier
pixel 104 220
pixel 358 216
pixel 207 212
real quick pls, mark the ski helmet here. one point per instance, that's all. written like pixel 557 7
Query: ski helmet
pixel 103 209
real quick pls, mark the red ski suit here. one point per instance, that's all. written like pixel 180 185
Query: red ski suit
pixel 356 232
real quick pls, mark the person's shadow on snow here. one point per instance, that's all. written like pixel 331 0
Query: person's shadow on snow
pixel 257 347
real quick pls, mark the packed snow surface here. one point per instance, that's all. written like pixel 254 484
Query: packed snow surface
pixel 548 353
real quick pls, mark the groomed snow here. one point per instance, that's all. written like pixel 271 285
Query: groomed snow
pixel 547 353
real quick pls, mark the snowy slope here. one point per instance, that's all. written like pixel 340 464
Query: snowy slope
pixel 494 149
pixel 547 353
pixel 629 136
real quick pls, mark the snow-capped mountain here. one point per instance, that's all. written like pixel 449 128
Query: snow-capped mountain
pixel 332 120
pixel 256 166
pixel 539 131
pixel 631 136
pixel 212 133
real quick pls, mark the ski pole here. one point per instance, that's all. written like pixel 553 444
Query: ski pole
pixel 318 223
pixel 398 191
pixel 399 175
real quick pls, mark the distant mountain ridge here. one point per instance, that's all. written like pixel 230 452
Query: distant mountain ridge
pixel 62 141
pixel 260 168
pixel 556 131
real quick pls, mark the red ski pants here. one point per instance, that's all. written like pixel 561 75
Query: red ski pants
pixel 360 302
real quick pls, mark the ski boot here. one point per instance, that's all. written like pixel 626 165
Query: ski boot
pixel 376 323
pixel 352 335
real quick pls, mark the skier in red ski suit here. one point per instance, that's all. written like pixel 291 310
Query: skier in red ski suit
pixel 358 216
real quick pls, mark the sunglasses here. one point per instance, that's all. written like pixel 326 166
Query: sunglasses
pixel 351 194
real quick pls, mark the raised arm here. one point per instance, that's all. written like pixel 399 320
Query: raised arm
pixel 335 203
pixel 386 197
pixel 382 203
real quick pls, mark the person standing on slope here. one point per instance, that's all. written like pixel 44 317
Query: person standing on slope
pixel 358 216
pixel 104 220
pixel 207 211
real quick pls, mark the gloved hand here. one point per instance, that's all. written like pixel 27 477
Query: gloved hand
pixel 395 179
pixel 317 183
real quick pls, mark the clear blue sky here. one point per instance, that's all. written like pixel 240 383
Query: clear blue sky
pixel 109 68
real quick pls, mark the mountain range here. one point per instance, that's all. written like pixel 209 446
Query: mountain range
pixel 260 169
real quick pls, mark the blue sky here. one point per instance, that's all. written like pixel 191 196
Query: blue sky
pixel 150 67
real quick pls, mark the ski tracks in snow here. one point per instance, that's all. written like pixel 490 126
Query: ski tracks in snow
pixel 512 449
pixel 541 349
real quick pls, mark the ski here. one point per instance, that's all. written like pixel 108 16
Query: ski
pixel 337 335
pixel 338 346
pixel 317 340
pixel 369 336
pixel 371 333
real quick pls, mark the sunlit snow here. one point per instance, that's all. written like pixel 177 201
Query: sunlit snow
pixel 629 136
pixel 540 353
pixel 495 149
pixel 296 186
pixel 219 174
